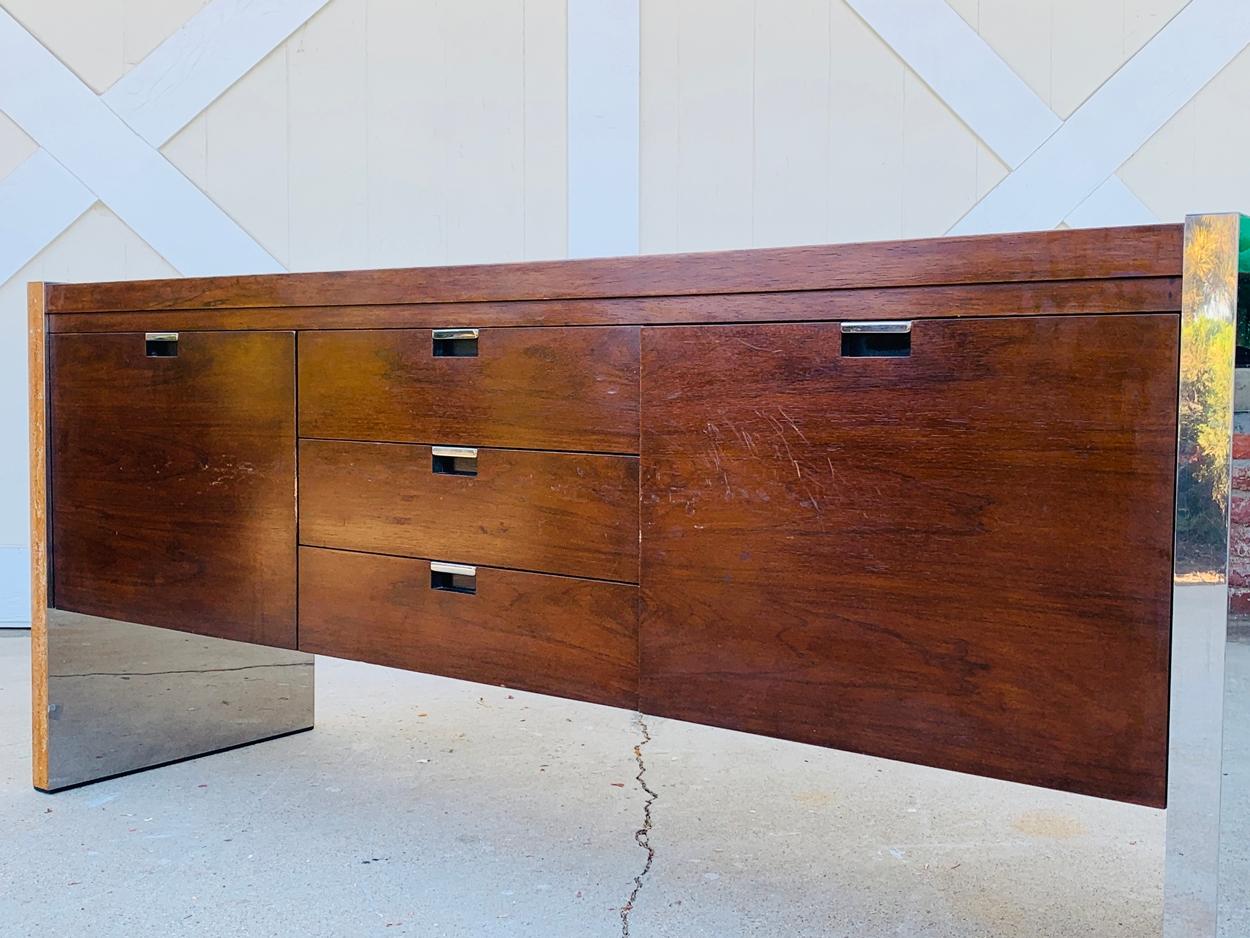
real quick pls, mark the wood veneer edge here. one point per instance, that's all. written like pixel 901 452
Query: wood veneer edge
pixel 37 347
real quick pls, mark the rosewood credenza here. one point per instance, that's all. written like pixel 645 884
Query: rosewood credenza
pixel 922 500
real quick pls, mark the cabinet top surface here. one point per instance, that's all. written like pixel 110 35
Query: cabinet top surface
pixel 1081 255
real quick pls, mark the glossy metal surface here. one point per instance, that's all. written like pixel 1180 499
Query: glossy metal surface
pixel 1207 878
pixel 882 326
pixel 457 569
pixel 455 452
pixel 455 334
pixel 123 696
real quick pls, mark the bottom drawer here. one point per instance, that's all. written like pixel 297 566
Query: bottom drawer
pixel 550 634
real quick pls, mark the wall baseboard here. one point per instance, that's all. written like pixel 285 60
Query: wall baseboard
pixel 14 587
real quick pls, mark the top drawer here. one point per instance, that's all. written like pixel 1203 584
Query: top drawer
pixel 529 388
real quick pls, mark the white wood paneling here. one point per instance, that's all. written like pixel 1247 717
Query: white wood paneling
pixel 484 106
pixel 603 130
pixel 790 178
pixel 1109 127
pixel 327 127
pixel 968 75
pixel 1197 160
pixel 546 130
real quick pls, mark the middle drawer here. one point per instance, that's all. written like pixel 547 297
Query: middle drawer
pixel 569 513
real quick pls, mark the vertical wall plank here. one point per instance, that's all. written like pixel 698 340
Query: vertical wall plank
pixel 546 129
pixel 328 158
pixel 408 134
pixel 792 116
pixel 939 171
pixel 485 97
pixel 246 157
pixel 603 131
pixel 716 124
pixel 867 84
pixel 659 125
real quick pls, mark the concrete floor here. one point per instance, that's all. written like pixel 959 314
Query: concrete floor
pixel 424 806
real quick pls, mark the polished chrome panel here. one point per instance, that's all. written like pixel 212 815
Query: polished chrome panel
pixel 457 569
pixel 894 325
pixel 455 334
pixel 160 337
pixel 123 696
pixel 456 452
pixel 1207 872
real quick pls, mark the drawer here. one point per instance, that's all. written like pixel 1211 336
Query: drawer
pixel 569 513
pixel 548 634
pixel 553 389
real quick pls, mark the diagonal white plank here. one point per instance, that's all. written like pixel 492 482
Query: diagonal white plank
pixel 983 91
pixel 1116 120
pixel 189 70
pixel 158 97
pixel 162 206
pixel 965 72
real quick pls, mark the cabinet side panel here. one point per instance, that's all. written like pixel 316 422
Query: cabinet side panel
pixel 958 557
pixel 37 333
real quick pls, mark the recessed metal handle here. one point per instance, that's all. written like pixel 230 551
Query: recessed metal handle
pixel 455 343
pixel 876 339
pixel 454 460
pixel 877 326
pixel 453 577
pixel 160 344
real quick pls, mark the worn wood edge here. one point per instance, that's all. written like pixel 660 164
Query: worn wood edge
pixel 1033 298
pixel 37 349
pixel 1087 253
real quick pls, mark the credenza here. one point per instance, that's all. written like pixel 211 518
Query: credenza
pixel 961 502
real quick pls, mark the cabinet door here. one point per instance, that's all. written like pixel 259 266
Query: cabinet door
pixel 173 481
pixel 955 554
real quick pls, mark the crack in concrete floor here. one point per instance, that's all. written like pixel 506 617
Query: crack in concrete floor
pixel 642 836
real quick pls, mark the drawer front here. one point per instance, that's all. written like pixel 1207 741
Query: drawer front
pixel 549 634
pixel 173 481
pixel 551 389
pixel 567 513
pixel 953 549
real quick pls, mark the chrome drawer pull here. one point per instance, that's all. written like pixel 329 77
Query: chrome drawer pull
pixel 879 325
pixel 876 339
pixel 453 577
pixel 454 460
pixel 161 344
pixel 455 343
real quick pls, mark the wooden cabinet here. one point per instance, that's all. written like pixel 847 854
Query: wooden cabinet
pixel 569 513
pixel 958 557
pixel 705 485
pixel 548 389
pixel 173 481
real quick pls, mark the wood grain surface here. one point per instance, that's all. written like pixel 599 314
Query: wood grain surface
pixel 550 634
pixel 960 558
pixel 553 389
pixel 567 513
pixel 1026 298
pixel 1089 253
pixel 37 340
pixel 173 482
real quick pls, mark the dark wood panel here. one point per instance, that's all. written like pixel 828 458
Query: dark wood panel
pixel 1029 298
pixel 550 634
pixel 173 482
pixel 1094 253
pixel 557 389
pixel 960 558
pixel 568 513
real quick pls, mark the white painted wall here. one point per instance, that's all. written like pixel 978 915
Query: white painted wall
pixel 320 134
